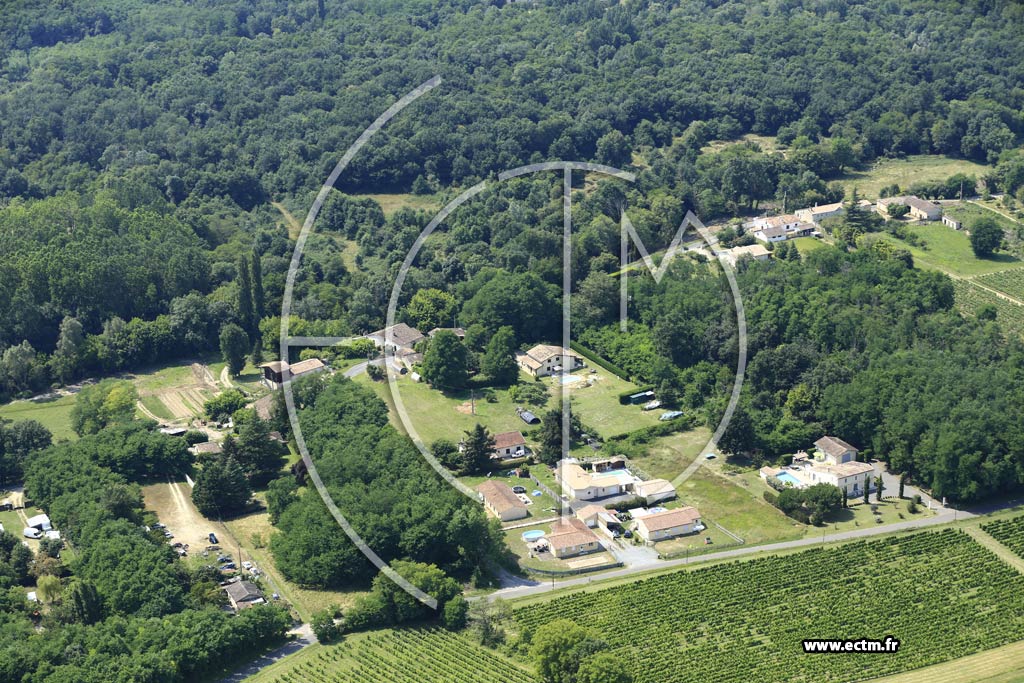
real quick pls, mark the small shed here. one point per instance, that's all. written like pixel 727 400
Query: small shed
pixel 528 417
pixel 951 222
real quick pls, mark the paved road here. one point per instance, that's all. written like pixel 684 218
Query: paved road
pixel 303 637
pixel 361 368
pixel 944 516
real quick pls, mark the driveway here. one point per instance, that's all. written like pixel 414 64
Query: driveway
pixel 303 637
pixel 630 555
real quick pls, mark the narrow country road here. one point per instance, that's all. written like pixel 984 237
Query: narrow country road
pixel 302 637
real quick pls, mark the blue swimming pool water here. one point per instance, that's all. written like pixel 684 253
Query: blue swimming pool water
pixel 530 536
pixel 787 478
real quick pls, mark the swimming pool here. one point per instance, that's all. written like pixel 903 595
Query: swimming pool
pixel 531 536
pixel 569 379
pixel 787 478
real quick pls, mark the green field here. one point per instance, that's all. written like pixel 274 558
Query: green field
pixel 949 251
pixel 970 298
pixel 745 621
pixel 906 172
pixel 1009 282
pixel 414 655
pixel 598 404
pixel 390 203
pixel 54 414
pixel 805 245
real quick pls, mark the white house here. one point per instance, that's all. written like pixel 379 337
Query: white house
pixel 499 499
pixel 655 490
pixel 754 251
pixel 579 484
pixel 40 522
pixel 660 526
pixel 921 209
pixel 276 373
pixel 571 538
pixel 547 359
pixel 834 462
pixel 400 336
pixel 816 214
pixel 509 445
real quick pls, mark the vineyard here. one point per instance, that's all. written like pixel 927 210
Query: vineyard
pixel 1009 532
pixel 970 298
pixel 431 655
pixel 1006 281
pixel 940 593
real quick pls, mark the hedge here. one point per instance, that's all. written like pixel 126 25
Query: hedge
pixel 597 360
pixel 679 424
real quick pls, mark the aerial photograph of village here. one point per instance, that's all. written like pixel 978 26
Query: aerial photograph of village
pixel 512 341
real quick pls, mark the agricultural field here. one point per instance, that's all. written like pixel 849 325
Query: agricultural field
pixel 1009 282
pixel 906 172
pixel 52 413
pixel 414 655
pixel 708 625
pixel 970 298
pixel 175 393
pixel 1009 532
pixel 1000 665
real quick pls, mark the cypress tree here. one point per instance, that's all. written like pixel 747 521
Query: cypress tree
pixel 258 300
pixel 244 295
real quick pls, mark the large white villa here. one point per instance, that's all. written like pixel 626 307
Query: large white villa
pixel 834 462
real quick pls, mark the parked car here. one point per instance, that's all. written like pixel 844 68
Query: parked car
pixel 158 525
pixel 176 545
pixel 32 532
pixel 213 538
pixel 168 534
pixel 670 415
pixel 228 565
pixel 247 565
pixel 223 558
pixel 627 533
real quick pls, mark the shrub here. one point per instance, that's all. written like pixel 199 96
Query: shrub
pixel 601 362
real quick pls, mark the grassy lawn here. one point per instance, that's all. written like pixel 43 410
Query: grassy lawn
pixel 248 380
pixel 949 251
pixel 390 203
pixel 1001 665
pixel 805 245
pixel 540 507
pixel 740 510
pixel 157 407
pixel 598 405
pixel 906 172
pixel 667 456
pixel 694 544
pixel 54 414
pixel 446 415
pixel 514 539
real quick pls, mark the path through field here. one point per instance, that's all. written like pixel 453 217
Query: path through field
pixel 294 227
pixel 173 506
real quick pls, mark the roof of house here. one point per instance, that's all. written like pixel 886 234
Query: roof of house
pixel 39 520
pixel 778 221
pixel 242 591
pixel 274 365
pixel 911 201
pixel 824 208
pixel 833 445
pixel 499 496
pixel 458 331
pixel 653 487
pixel 401 334
pixel 572 532
pixel 542 352
pixel 846 469
pixel 754 250
pixel 670 518
pixel 208 447
pixel 590 511
pixel 308 365
pixel 509 440
pixel 774 231
pixel 263 406
pixel 578 478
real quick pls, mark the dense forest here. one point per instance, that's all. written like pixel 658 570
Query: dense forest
pixel 140 143
pixel 389 494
